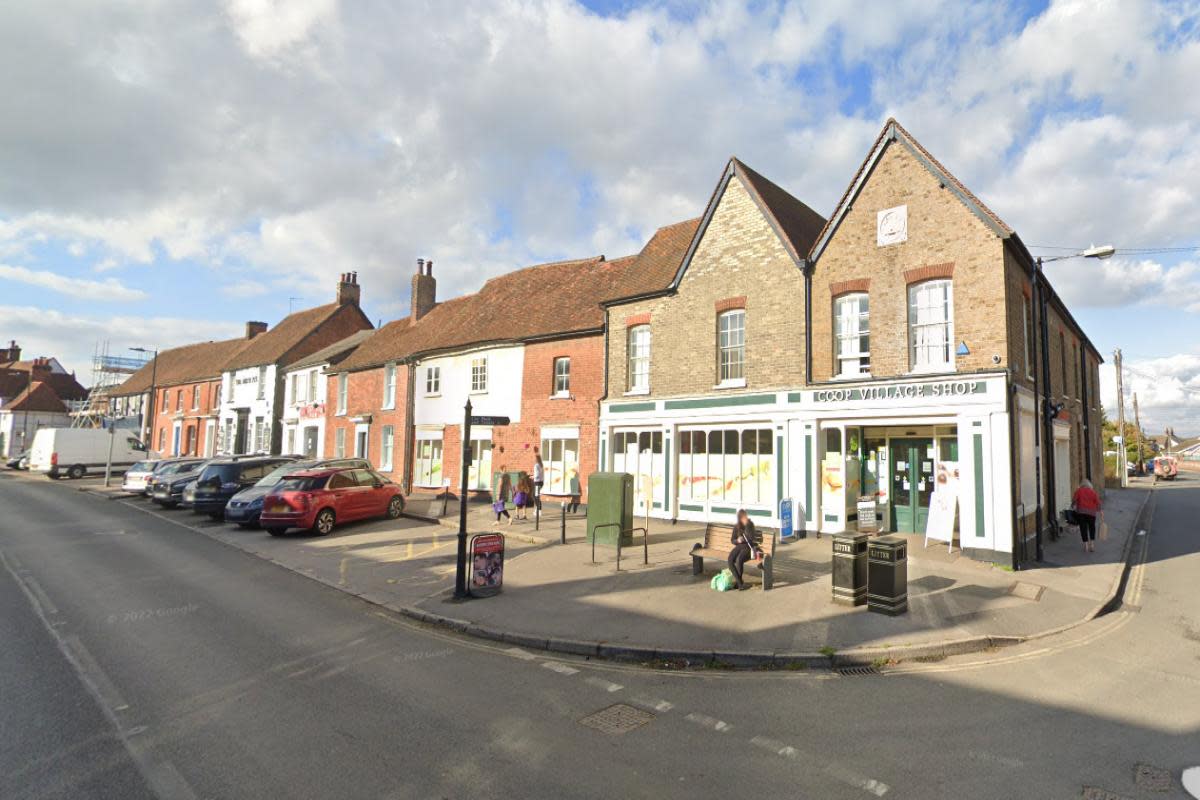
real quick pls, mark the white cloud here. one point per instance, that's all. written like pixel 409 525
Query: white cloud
pixel 110 290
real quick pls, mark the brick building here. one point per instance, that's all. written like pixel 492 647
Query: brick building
pixel 41 390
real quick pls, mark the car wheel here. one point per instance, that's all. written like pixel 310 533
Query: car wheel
pixel 277 531
pixel 395 507
pixel 217 515
pixel 245 525
pixel 75 472
pixel 323 523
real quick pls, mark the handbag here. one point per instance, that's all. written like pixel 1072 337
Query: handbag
pixel 498 506
pixel 519 499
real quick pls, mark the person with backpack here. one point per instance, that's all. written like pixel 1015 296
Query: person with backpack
pixel 746 542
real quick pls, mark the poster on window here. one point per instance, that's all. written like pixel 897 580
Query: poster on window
pixel 943 504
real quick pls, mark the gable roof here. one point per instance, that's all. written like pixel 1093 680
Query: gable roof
pixel 187 364
pixel 271 346
pixel 334 353
pixel 16 375
pixel 40 396
pixel 796 225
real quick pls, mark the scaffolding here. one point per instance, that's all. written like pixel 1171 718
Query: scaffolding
pixel 108 372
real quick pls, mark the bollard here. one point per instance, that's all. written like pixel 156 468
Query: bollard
pixel 537 516
pixel 563 532
pixel 850 568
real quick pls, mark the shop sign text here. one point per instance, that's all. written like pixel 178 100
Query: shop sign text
pixel 901 391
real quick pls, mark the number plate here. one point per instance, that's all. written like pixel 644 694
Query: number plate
pixel 279 508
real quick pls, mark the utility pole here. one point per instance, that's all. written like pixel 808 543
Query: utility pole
pixel 1137 420
pixel 1122 456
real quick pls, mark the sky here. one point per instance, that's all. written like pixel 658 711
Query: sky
pixel 169 170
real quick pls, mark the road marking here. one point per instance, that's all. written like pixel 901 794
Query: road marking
pixel 559 667
pixel 91 670
pixel 711 723
pixel 342 572
pixel 521 654
pixel 1141 533
pixel 607 686
pixel 43 600
pixel 656 705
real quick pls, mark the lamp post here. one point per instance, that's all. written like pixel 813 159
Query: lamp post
pixel 149 429
pixel 1050 410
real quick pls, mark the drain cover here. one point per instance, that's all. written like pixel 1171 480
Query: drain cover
pixel 1151 778
pixel 618 718
pixel 853 671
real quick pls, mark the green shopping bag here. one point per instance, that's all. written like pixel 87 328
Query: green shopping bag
pixel 723 581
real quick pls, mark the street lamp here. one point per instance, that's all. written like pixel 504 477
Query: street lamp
pixel 1050 409
pixel 149 418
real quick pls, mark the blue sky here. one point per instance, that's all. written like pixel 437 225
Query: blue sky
pixel 172 171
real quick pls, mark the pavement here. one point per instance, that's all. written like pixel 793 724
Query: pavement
pixel 224 675
pixel 556 599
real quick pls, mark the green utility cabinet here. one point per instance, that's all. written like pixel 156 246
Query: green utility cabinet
pixel 610 502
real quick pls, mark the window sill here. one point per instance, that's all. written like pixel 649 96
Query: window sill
pixel 947 370
pixel 392 407
pixel 637 393
pixel 739 383
pixel 478 391
pixel 858 376
pixel 559 396
pixel 435 394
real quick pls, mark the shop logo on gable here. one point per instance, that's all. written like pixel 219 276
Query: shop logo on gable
pixel 903 391
pixel 891 226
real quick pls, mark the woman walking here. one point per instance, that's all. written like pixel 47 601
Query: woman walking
pixel 746 540
pixel 502 492
pixel 1086 504
pixel 539 477
pixel 523 499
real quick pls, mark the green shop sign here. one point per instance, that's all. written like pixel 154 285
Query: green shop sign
pixel 898 391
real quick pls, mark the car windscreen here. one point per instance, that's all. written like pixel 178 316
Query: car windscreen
pixel 301 483
pixel 274 476
pixel 179 468
pixel 220 473
pixel 142 466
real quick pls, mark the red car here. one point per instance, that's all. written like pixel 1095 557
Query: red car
pixel 317 499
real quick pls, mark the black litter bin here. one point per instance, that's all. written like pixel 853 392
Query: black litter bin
pixel 887 576
pixel 850 568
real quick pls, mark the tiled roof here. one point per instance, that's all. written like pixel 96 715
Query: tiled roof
pixel 659 260
pixel 38 397
pixel 14 377
pixel 187 364
pixel 798 223
pixel 269 347
pixel 335 352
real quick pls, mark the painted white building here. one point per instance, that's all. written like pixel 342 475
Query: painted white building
pixel 491 378
pixel 247 410
pixel 305 395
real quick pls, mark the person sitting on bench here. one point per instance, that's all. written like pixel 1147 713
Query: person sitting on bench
pixel 746 542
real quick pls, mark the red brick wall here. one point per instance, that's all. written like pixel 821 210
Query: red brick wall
pixel 166 416
pixel 364 395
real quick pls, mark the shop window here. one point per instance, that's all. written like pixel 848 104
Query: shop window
pixel 727 465
pixel 562 377
pixel 931 326
pixel 479 474
pixel 560 458
pixel 427 466
pixel 479 374
pixel 386 446
pixel 852 335
pixel 833 440
pixel 389 386
pixel 433 381
pixel 638 378
pixel 731 346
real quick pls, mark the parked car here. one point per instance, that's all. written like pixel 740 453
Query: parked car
pixel 245 507
pixel 167 468
pixel 135 477
pixel 76 451
pixel 168 489
pixel 224 478
pixel 19 460
pixel 318 499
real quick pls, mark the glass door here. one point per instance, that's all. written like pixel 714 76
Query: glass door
pixel 912 484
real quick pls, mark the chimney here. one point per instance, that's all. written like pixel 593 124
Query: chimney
pixel 348 291
pixel 255 328
pixel 424 290
pixel 13 353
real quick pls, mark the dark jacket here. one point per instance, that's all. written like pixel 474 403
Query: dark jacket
pixel 750 532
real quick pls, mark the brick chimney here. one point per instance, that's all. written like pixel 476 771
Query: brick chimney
pixel 11 353
pixel 255 328
pixel 424 290
pixel 41 365
pixel 348 291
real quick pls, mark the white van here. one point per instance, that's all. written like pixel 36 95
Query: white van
pixel 75 452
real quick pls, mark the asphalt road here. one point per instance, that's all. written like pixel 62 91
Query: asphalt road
pixel 142 658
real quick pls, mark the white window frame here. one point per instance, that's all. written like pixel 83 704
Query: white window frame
pixel 433 381
pixel 637 345
pixel 342 392
pixel 479 375
pixel 852 322
pixel 731 348
pixel 262 383
pixel 917 305
pixel 389 386
pixel 294 388
pixel 310 395
pixel 557 467
pixel 423 462
pixel 195 397
pixel 562 376
pixel 339 443
pixel 387 443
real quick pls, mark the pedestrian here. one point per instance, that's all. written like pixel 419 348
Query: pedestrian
pixel 539 477
pixel 1086 505
pixel 502 491
pixel 523 499
pixel 576 492
pixel 745 540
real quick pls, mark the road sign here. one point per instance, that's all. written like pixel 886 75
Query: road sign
pixel 489 420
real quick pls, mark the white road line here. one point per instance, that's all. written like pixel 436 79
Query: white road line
pixel 655 705
pixel 559 667
pixel 607 686
pixel 521 654
pixel 88 667
pixel 711 723
pixel 837 771
pixel 43 600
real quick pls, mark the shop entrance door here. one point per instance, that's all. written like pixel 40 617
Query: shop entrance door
pixel 912 484
pixel 310 442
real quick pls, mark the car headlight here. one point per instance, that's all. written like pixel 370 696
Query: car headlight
pixel 255 503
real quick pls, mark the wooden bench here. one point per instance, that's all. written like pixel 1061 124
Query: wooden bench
pixel 717 545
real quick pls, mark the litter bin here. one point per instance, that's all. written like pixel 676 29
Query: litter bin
pixel 850 568
pixel 887 576
pixel 868 519
pixel 610 500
